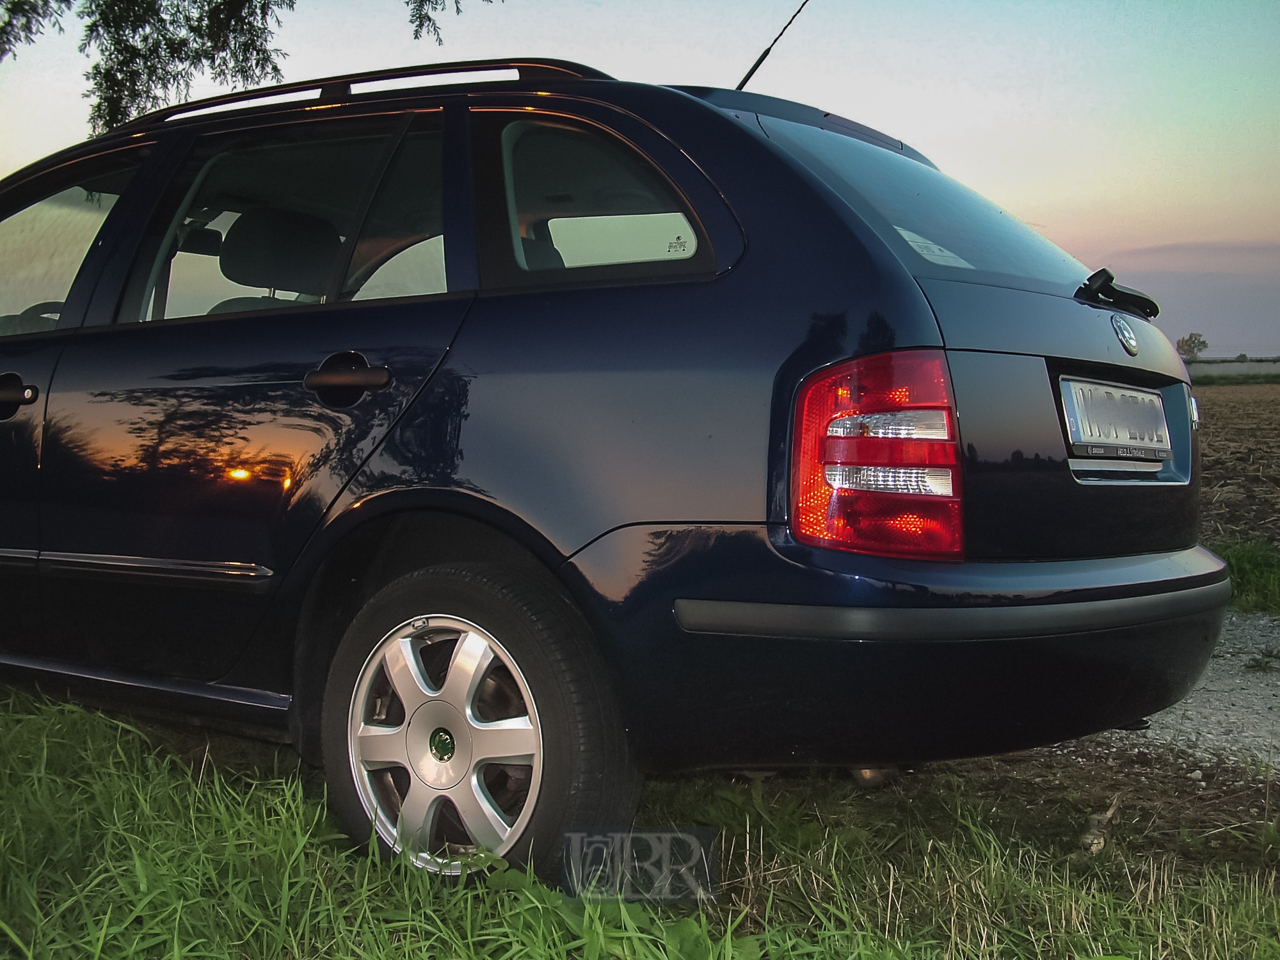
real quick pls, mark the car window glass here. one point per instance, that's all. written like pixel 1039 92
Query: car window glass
pixel 941 227
pixel 577 197
pixel 262 222
pixel 400 249
pixel 43 244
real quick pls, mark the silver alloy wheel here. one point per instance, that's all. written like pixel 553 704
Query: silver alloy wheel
pixel 444 742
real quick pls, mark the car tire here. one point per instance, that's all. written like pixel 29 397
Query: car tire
pixel 466 707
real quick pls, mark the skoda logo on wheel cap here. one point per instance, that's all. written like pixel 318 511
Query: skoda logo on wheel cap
pixel 1125 333
pixel 442 745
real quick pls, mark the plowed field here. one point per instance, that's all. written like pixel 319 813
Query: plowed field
pixel 1240 451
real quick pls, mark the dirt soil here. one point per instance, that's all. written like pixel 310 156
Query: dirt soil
pixel 1240 453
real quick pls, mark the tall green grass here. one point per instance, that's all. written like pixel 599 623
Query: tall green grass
pixel 111 849
pixel 1254 566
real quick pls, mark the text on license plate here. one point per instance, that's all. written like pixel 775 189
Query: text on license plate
pixel 1108 420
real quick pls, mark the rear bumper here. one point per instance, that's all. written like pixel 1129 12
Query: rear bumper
pixel 730 651
pixel 945 624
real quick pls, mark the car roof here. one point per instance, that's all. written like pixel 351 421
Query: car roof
pixel 533 72
pixel 739 100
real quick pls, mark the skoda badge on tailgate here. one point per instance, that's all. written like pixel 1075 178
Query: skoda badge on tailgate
pixel 1125 333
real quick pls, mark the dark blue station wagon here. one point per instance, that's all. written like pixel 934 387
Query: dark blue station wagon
pixel 500 442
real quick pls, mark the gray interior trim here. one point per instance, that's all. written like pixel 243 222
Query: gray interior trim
pixel 787 620
pixel 178 568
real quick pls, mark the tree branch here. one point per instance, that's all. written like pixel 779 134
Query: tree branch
pixel 147 52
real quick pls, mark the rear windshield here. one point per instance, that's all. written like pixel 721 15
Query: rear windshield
pixel 938 227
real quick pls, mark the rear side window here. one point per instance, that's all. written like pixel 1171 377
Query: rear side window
pixel 42 244
pixel 579 203
pixel 939 227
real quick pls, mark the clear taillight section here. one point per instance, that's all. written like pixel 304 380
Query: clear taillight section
pixel 875 458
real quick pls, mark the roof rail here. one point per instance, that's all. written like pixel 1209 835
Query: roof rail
pixel 337 89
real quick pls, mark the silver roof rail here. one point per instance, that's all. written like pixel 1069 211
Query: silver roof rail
pixel 338 89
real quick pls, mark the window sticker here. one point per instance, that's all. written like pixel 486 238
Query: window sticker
pixel 932 251
pixel 629 238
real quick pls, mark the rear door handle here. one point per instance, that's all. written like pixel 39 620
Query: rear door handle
pixel 366 378
pixel 13 390
pixel 344 378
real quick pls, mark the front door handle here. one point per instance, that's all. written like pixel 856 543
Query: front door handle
pixel 344 378
pixel 13 390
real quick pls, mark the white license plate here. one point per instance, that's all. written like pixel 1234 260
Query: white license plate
pixel 1107 421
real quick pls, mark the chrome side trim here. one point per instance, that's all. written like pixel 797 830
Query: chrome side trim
pixel 1149 466
pixel 190 696
pixel 793 621
pixel 198 568
pixel 8 554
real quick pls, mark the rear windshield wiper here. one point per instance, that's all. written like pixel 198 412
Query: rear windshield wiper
pixel 1101 288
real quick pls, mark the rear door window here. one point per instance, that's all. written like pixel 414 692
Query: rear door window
pixel 578 203
pixel 299 216
pixel 400 249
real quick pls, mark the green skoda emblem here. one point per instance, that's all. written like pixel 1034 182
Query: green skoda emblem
pixel 442 745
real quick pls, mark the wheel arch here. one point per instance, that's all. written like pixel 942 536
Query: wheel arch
pixel 378 540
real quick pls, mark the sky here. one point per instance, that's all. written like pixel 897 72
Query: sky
pixel 1140 136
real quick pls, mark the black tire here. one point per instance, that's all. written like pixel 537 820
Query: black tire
pixel 503 754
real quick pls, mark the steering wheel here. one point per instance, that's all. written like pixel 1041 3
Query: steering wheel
pixel 39 311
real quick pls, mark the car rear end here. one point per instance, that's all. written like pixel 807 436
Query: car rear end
pixel 1075 424
pixel 986 544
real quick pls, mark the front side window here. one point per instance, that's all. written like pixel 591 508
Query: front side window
pixel 277 219
pixel 43 244
pixel 578 202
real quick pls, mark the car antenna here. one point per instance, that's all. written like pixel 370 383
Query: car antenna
pixel 769 49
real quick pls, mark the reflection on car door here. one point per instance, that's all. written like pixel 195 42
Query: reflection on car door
pixel 195 443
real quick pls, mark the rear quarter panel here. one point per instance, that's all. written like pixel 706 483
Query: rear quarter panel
pixel 583 410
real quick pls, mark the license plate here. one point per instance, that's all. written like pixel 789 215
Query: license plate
pixel 1107 421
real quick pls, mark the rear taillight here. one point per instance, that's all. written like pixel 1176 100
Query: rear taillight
pixel 875 458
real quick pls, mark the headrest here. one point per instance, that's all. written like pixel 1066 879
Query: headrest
pixel 541 255
pixel 280 249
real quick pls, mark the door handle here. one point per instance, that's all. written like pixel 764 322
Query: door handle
pixel 366 378
pixel 344 378
pixel 13 390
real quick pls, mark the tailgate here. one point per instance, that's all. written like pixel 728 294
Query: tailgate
pixel 1072 447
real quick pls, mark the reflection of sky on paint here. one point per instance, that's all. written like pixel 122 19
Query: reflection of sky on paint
pixel 1111 128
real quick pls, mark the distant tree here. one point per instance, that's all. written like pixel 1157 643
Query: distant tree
pixel 149 51
pixel 1191 346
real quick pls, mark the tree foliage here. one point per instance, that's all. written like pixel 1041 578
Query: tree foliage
pixel 147 52
pixel 1191 346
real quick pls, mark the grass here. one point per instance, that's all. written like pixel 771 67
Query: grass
pixel 1254 566
pixel 118 840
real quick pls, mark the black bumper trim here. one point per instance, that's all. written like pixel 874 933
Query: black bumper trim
pixel 794 621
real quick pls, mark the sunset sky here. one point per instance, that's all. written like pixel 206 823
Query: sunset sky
pixel 1142 136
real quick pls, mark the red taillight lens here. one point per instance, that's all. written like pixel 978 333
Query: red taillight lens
pixel 875 463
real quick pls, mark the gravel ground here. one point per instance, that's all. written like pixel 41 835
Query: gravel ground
pixel 1234 711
